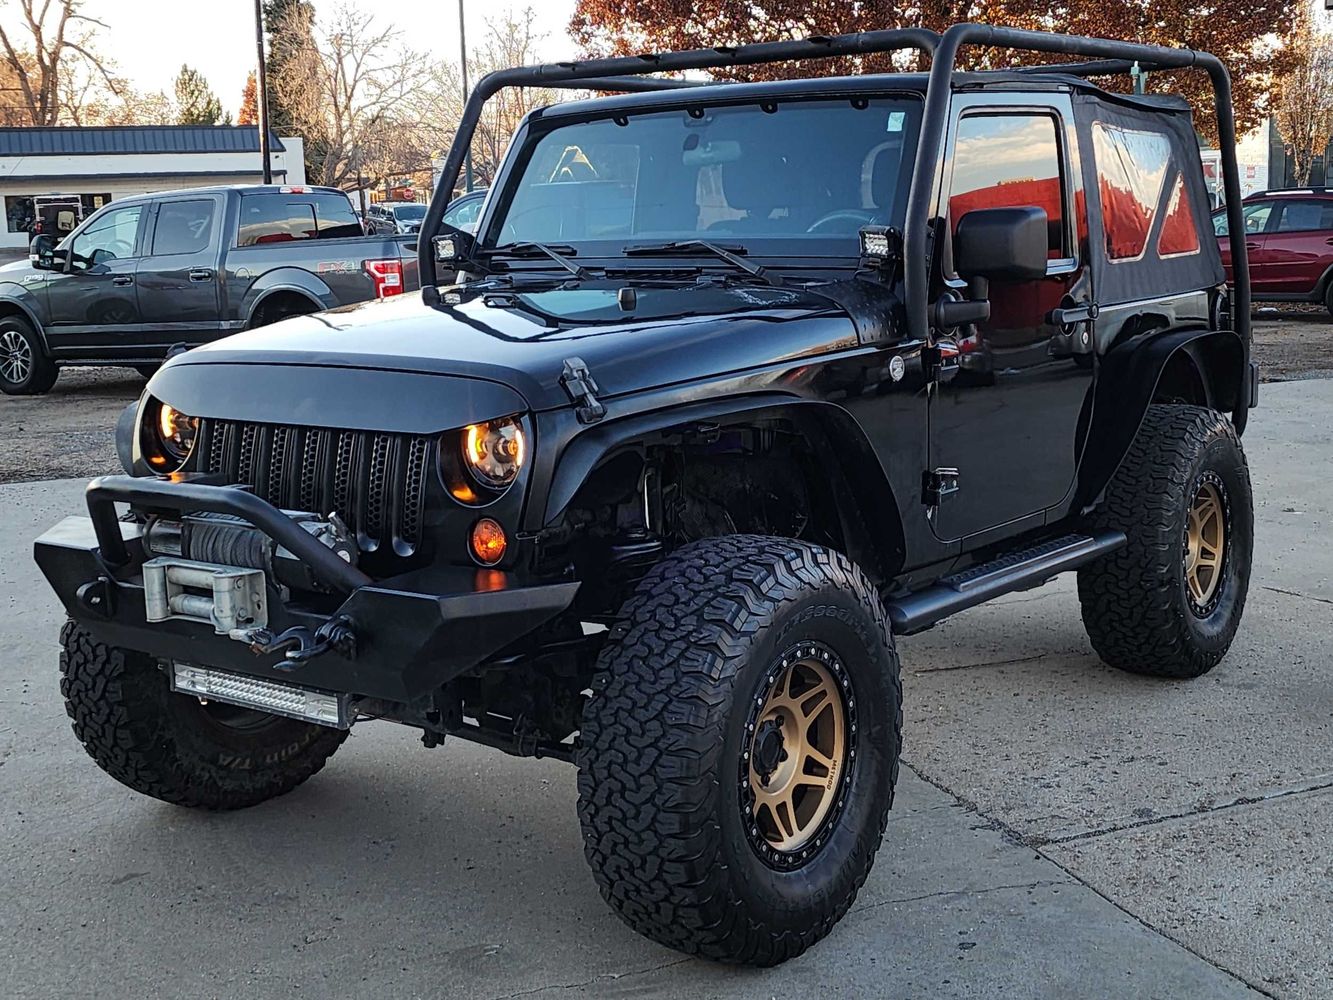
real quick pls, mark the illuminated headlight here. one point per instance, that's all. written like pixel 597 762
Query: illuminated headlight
pixel 168 436
pixel 494 451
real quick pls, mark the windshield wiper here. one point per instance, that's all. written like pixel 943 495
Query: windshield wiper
pixel 556 254
pixel 727 253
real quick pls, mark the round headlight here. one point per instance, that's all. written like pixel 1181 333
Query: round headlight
pixel 173 433
pixel 494 451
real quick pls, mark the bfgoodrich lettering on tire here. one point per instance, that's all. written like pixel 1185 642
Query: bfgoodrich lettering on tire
pixel 171 747
pixel 739 752
pixel 1169 603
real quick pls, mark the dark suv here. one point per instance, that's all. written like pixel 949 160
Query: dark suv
pixel 1289 241
pixel 719 399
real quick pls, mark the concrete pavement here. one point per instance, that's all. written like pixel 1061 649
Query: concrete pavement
pixel 1080 832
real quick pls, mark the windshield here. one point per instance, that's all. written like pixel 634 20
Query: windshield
pixel 795 177
pixel 410 213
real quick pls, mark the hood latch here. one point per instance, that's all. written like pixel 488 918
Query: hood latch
pixel 582 390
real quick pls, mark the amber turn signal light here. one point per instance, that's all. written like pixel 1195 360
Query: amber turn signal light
pixel 488 541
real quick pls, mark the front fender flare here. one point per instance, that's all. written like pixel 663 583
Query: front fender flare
pixel 830 427
pixel 1127 380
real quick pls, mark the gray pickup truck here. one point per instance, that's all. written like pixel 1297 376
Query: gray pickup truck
pixel 146 274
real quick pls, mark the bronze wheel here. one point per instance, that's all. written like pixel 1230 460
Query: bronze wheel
pixel 1205 543
pixel 799 748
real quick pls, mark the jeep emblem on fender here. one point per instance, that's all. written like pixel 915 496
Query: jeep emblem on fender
pixel 897 368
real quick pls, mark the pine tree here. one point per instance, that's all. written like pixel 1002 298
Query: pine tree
pixel 196 104
pixel 249 114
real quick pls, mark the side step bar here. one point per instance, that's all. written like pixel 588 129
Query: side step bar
pixel 1021 570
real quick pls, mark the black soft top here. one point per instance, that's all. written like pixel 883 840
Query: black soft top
pixel 824 86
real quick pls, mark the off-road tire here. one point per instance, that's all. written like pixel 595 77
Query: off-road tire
pixel 660 756
pixel 1137 606
pixel 39 372
pixel 165 744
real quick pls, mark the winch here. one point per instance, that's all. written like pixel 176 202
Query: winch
pixel 225 540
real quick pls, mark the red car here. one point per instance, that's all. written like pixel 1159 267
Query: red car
pixel 1289 236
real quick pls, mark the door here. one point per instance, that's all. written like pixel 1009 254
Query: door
pixel 93 304
pixel 177 276
pixel 1008 419
pixel 1258 216
pixel 1299 247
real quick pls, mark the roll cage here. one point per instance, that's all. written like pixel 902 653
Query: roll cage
pixel 1103 57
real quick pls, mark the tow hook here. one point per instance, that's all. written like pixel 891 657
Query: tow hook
pixel 303 645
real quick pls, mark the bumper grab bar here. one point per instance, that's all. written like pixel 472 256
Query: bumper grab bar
pixel 181 495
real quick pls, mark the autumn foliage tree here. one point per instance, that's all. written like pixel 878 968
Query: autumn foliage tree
pixel 249 113
pixel 1233 31
pixel 1303 97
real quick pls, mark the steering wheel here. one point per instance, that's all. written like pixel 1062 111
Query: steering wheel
pixel 843 222
pixel 112 251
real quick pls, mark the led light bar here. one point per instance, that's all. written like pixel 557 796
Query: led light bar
pixel 332 710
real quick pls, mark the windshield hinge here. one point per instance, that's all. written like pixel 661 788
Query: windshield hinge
pixel 582 390
pixel 939 484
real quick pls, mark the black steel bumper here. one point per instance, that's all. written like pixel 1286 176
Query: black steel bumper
pixel 413 632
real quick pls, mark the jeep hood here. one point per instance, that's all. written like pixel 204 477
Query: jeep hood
pixel 497 346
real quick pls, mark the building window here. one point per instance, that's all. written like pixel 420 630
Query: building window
pixel 19 215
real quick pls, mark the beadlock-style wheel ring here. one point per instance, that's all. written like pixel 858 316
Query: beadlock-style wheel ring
pixel 799 749
pixel 1206 543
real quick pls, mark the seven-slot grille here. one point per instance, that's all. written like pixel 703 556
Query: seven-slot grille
pixel 375 482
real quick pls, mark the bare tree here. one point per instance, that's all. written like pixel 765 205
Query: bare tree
pixel 344 84
pixel 510 40
pixel 55 39
pixel 1303 97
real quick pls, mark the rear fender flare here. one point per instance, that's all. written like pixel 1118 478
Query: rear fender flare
pixel 1128 377
pixel 286 280
pixel 860 498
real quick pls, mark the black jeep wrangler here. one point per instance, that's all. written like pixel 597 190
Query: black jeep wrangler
pixel 734 383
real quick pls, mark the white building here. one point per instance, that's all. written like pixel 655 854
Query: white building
pixel 101 164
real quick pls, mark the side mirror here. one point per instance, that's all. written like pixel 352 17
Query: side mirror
pixel 1002 244
pixel 42 253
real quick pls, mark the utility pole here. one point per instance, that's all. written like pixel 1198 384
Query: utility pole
pixel 462 49
pixel 261 81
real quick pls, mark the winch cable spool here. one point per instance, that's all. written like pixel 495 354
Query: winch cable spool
pixel 226 540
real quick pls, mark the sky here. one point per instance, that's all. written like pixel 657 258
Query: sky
pixel 149 39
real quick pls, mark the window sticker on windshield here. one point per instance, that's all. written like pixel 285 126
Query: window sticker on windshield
pixel 895 123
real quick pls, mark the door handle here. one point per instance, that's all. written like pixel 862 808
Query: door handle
pixel 1251 246
pixel 123 279
pixel 1329 241
pixel 201 274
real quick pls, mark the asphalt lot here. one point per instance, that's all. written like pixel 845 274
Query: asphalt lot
pixel 1064 831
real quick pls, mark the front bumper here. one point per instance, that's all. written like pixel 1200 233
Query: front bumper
pixel 413 632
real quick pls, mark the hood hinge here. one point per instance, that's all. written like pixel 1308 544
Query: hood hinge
pixel 582 389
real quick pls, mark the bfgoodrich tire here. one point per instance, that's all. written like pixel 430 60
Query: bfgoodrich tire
pixel 25 370
pixel 739 752
pixel 170 746
pixel 1168 604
